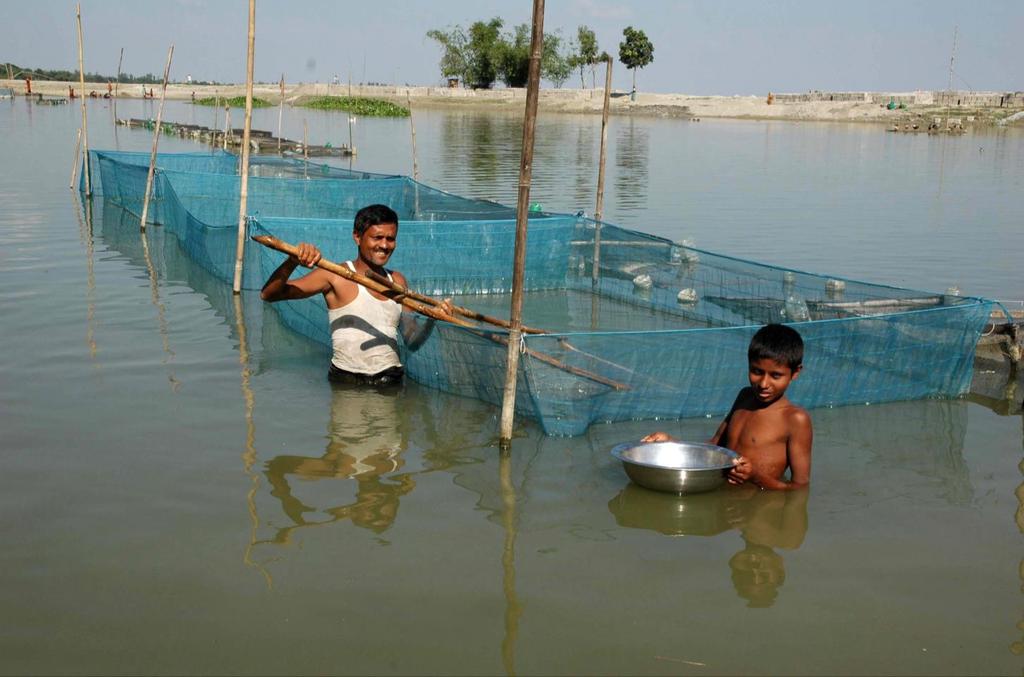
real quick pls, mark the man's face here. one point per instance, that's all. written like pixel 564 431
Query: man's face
pixel 769 379
pixel 377 244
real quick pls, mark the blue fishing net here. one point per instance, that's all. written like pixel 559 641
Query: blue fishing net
pixel 640 327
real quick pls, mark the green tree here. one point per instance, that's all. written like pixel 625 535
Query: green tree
pixel 636 51
pixel 470 55
pixel 586 54
pixel 454 42
pixel 554 64
pixel 482 53
pixel 512 57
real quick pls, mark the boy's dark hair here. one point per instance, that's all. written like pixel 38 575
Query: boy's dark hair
pixel 777 342
pixel 373 215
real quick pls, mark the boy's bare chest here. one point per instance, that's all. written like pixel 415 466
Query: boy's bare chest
pixel 756 430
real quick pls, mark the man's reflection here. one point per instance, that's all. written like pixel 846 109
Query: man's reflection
pixel 765 520
pixel 365 443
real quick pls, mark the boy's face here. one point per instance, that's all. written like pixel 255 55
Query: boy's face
pixel 769 379
pixel 377 243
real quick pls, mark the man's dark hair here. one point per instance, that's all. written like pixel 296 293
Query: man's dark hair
pixel 373 215
pixel 777 342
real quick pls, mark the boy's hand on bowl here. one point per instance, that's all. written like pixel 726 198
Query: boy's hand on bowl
pixel 657 437
pixel 741 471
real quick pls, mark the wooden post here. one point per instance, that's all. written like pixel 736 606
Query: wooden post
pixel 156 140
pixel 216 117
pixel 522 215
pixel 280 115
pixel 415 162
pixel 117 83
pixel 599 207
pixel 74 164
pixel 244 190
pixel 412 126
pixel 227 124
pixel 305 149
pixel 85 121
pixel 351 148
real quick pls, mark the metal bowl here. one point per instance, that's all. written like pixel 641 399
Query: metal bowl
pixel 677 467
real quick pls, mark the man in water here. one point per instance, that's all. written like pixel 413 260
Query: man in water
pixel 363 324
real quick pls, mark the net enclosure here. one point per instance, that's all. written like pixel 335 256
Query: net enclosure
pixel 637 326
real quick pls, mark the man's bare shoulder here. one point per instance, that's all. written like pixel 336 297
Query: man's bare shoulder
pixel 399 278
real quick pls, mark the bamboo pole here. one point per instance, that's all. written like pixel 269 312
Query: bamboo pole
pixel 227 124
pixel 415 161
pixel 117 83
pixel 243 201
pixel 599 207
pixel 74 164
pixel 522 214
pixel 432 312
pixel 85 121
pixel 458 310
pixel 156 141
pixel 280 115
pixel 412 127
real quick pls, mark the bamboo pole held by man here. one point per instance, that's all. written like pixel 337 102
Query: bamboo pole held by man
pixel 430 310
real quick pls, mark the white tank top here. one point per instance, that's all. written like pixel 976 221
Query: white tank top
pixel 364 333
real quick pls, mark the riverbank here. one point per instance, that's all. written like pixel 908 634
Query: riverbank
pixel 854 107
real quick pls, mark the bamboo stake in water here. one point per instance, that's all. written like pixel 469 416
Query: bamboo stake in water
pixel 117 82
pixel 156 141
pixel 305 149
pixel 74 165
pixel 415 162
pixel 243 201
pixel 227 124
pixel 522 214
pixel 85 121
pixel 280 115
pixel 599 207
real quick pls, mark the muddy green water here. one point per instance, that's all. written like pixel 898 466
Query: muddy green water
pixel 182 493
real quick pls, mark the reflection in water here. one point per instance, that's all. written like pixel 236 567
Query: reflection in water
pixel 632 157
pixel 249 455
pixel 86 235
pixel 509 519
pixel 765 520
pixel 926 438
pixel 1017 648
pixel 366 439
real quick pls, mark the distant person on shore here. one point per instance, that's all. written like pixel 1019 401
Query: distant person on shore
pixel 28 86
pixel 363 324
pixel 770 433
pixel 71 92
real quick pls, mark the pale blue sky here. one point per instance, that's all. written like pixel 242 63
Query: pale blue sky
pixel 700 46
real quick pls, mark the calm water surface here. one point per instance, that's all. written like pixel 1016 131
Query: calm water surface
pixel 183 493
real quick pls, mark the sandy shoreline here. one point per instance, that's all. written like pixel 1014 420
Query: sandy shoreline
pixel 588 101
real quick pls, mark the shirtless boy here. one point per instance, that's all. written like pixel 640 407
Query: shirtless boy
pixel 770 433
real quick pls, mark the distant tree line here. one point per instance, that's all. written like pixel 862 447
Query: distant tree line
pixel 484 54
pixel 14 72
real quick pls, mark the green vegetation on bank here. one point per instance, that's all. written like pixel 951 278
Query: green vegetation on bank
pixel 357 105
pixel 234 102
